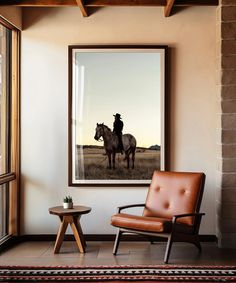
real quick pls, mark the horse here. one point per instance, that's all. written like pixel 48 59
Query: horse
pixel 111 144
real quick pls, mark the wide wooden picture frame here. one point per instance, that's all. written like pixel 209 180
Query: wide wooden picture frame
pixel 107 85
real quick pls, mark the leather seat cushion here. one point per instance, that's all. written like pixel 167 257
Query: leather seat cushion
pixel 141 223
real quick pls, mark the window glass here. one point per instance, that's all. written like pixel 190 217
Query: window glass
pixel 3 210
pixel 5 48
pixel 5 122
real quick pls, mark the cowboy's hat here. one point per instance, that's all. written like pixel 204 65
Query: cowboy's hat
pixel 117 115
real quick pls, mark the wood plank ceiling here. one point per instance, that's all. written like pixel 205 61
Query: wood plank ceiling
pixel 85 4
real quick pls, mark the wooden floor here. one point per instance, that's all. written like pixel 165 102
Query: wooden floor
pixel 100 253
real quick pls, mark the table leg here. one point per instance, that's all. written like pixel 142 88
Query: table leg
pixel 77 221
pixel 77 234
pixel 60 235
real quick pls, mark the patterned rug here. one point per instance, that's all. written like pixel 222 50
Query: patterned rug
pixel 113 274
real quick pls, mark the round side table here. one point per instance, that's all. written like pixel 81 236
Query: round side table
pixel 72 217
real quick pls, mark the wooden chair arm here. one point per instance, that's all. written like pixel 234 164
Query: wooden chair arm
pixel 119 208
pixel 197 221
pixel 197 214
pixel 188 214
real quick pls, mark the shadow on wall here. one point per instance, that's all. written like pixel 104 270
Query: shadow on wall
pixel 31 16
pixel 177 10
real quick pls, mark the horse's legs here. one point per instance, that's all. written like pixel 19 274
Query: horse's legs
pixel 127 158
pixel 113 159
pixel 109 160
pixel 133 158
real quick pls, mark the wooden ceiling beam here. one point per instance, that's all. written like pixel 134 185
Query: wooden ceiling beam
pixel 168 7
pixel 196 2
pixel 39 3
pixel 83 9
pixel 103 3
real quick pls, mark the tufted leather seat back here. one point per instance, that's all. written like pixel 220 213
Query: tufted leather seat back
pixel 173 193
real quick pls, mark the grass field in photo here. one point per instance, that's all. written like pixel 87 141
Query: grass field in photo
pixel 95 162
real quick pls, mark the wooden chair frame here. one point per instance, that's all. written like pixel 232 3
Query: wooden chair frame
pixel 177 233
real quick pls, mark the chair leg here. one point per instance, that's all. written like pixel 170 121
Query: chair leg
pixel 197 243
pixel 117 241
pixel 152 240
pixel 168 248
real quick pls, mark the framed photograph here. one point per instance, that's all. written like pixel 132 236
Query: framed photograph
pixel 116 114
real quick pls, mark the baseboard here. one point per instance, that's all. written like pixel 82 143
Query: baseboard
pixel 104 237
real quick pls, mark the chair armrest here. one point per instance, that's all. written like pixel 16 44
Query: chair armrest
pixel 196 214
pixel 119 208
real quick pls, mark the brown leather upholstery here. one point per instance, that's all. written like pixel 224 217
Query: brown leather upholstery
pixel 171 210
pixel 173 193
pixel 148 224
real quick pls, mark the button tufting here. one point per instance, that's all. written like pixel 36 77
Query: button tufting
pixel 166 205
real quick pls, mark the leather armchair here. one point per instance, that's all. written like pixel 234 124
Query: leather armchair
pixel 171 210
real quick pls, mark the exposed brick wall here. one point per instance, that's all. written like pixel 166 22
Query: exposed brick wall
pixel 226 123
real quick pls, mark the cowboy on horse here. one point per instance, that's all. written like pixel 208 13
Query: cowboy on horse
pixel 111 144
pixel 117 129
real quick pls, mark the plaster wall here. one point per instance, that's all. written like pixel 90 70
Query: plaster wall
pixel 44 99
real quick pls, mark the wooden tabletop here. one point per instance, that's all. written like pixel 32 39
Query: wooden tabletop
pixel 76 210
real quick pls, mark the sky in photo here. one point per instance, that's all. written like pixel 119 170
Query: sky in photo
pixel 129 83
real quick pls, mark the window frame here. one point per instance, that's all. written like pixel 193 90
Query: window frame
pixel 12 178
